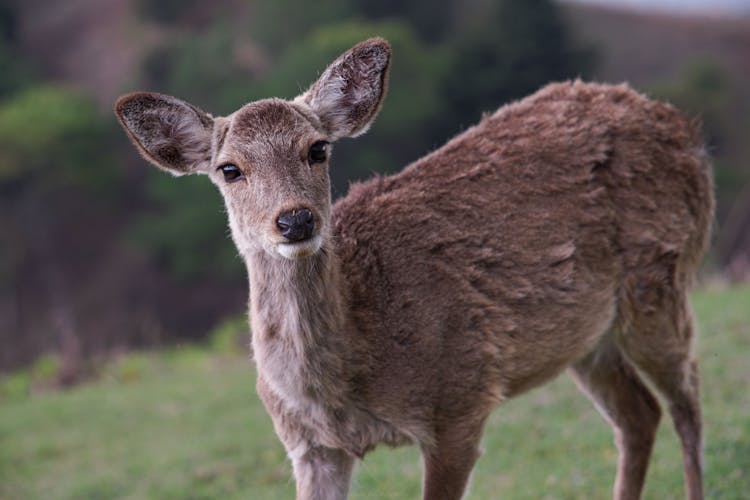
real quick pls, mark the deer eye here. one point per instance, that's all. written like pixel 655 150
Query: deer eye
pixel 318 152
pixel 231 172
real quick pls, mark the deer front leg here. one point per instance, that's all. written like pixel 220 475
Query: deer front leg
pixel 322 473
pixel 448 464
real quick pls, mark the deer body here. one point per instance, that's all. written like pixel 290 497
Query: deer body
pixel 563 231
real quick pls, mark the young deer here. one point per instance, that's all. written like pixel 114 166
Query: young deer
pixel 563 231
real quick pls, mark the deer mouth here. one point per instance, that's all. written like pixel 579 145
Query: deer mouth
pixel 300 249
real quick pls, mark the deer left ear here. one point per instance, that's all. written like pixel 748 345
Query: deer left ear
pixel 348 95
pixel 170 133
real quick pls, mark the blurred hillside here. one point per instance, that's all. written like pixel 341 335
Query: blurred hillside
pixel 702 65
pixel 101 253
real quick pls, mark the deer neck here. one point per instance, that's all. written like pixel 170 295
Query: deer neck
pixel 297 317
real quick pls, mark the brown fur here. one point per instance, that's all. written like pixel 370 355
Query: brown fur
pixel 562 231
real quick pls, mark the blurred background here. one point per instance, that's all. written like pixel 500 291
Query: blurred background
pixel 101 253
pixel 124 352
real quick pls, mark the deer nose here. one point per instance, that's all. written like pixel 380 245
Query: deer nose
pixel 296 225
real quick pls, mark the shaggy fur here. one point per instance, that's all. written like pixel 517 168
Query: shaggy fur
pixel 563 231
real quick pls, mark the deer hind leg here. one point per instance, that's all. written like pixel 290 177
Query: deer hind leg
pixel 633 412
pixel 659 343
pixel 449 462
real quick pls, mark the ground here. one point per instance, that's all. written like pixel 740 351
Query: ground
pixel 186 423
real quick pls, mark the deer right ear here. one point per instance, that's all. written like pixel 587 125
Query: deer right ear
pixel 170 133
pixel 348 95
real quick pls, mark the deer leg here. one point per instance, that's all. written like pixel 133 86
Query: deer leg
pixel 661 348
pixel 684 406
pixel 622 398
pixel 449 462
pixel 322 473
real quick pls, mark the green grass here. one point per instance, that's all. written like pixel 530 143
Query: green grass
pixel 187 424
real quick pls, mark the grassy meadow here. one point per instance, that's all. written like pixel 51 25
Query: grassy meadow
pixel 186 423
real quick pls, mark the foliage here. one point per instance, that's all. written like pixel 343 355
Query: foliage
pixel 187 423
pixel 705 92
pixel 54 145
pixel 55 132
pixel 431 21
pixel 166 11
pixel 14 74
pixel 8 21
pixel 279 25
pixel 14 71
pixel 185 231
pixel 199 68
pixel 230 336
pixel 509 50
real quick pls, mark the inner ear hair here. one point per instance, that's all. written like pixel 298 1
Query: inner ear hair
pixel 170 133
pixel 350 92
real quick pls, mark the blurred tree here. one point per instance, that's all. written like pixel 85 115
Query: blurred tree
pixel 430 20
pixel 705 91
pixel 280 24
pixel 13 75
pixel 14 70
pixel 199 68
pixel 185 230
pixel 50 137
pixel 52 149
pixel 8 21
pixel 505 50
pixel 172 12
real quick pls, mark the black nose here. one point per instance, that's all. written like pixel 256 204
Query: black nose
pixel 296 225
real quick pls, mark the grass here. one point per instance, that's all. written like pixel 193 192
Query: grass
pixel 187 424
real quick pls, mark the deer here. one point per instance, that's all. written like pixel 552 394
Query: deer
pixel 562 232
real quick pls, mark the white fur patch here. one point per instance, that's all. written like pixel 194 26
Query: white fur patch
pixel 296 453
pixel 301 249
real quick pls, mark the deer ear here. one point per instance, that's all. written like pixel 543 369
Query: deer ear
pixel 348 95
pixel 170 133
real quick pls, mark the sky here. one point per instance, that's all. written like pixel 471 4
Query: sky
pixel 726 7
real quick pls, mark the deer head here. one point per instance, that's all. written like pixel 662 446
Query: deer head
pixel 270 158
